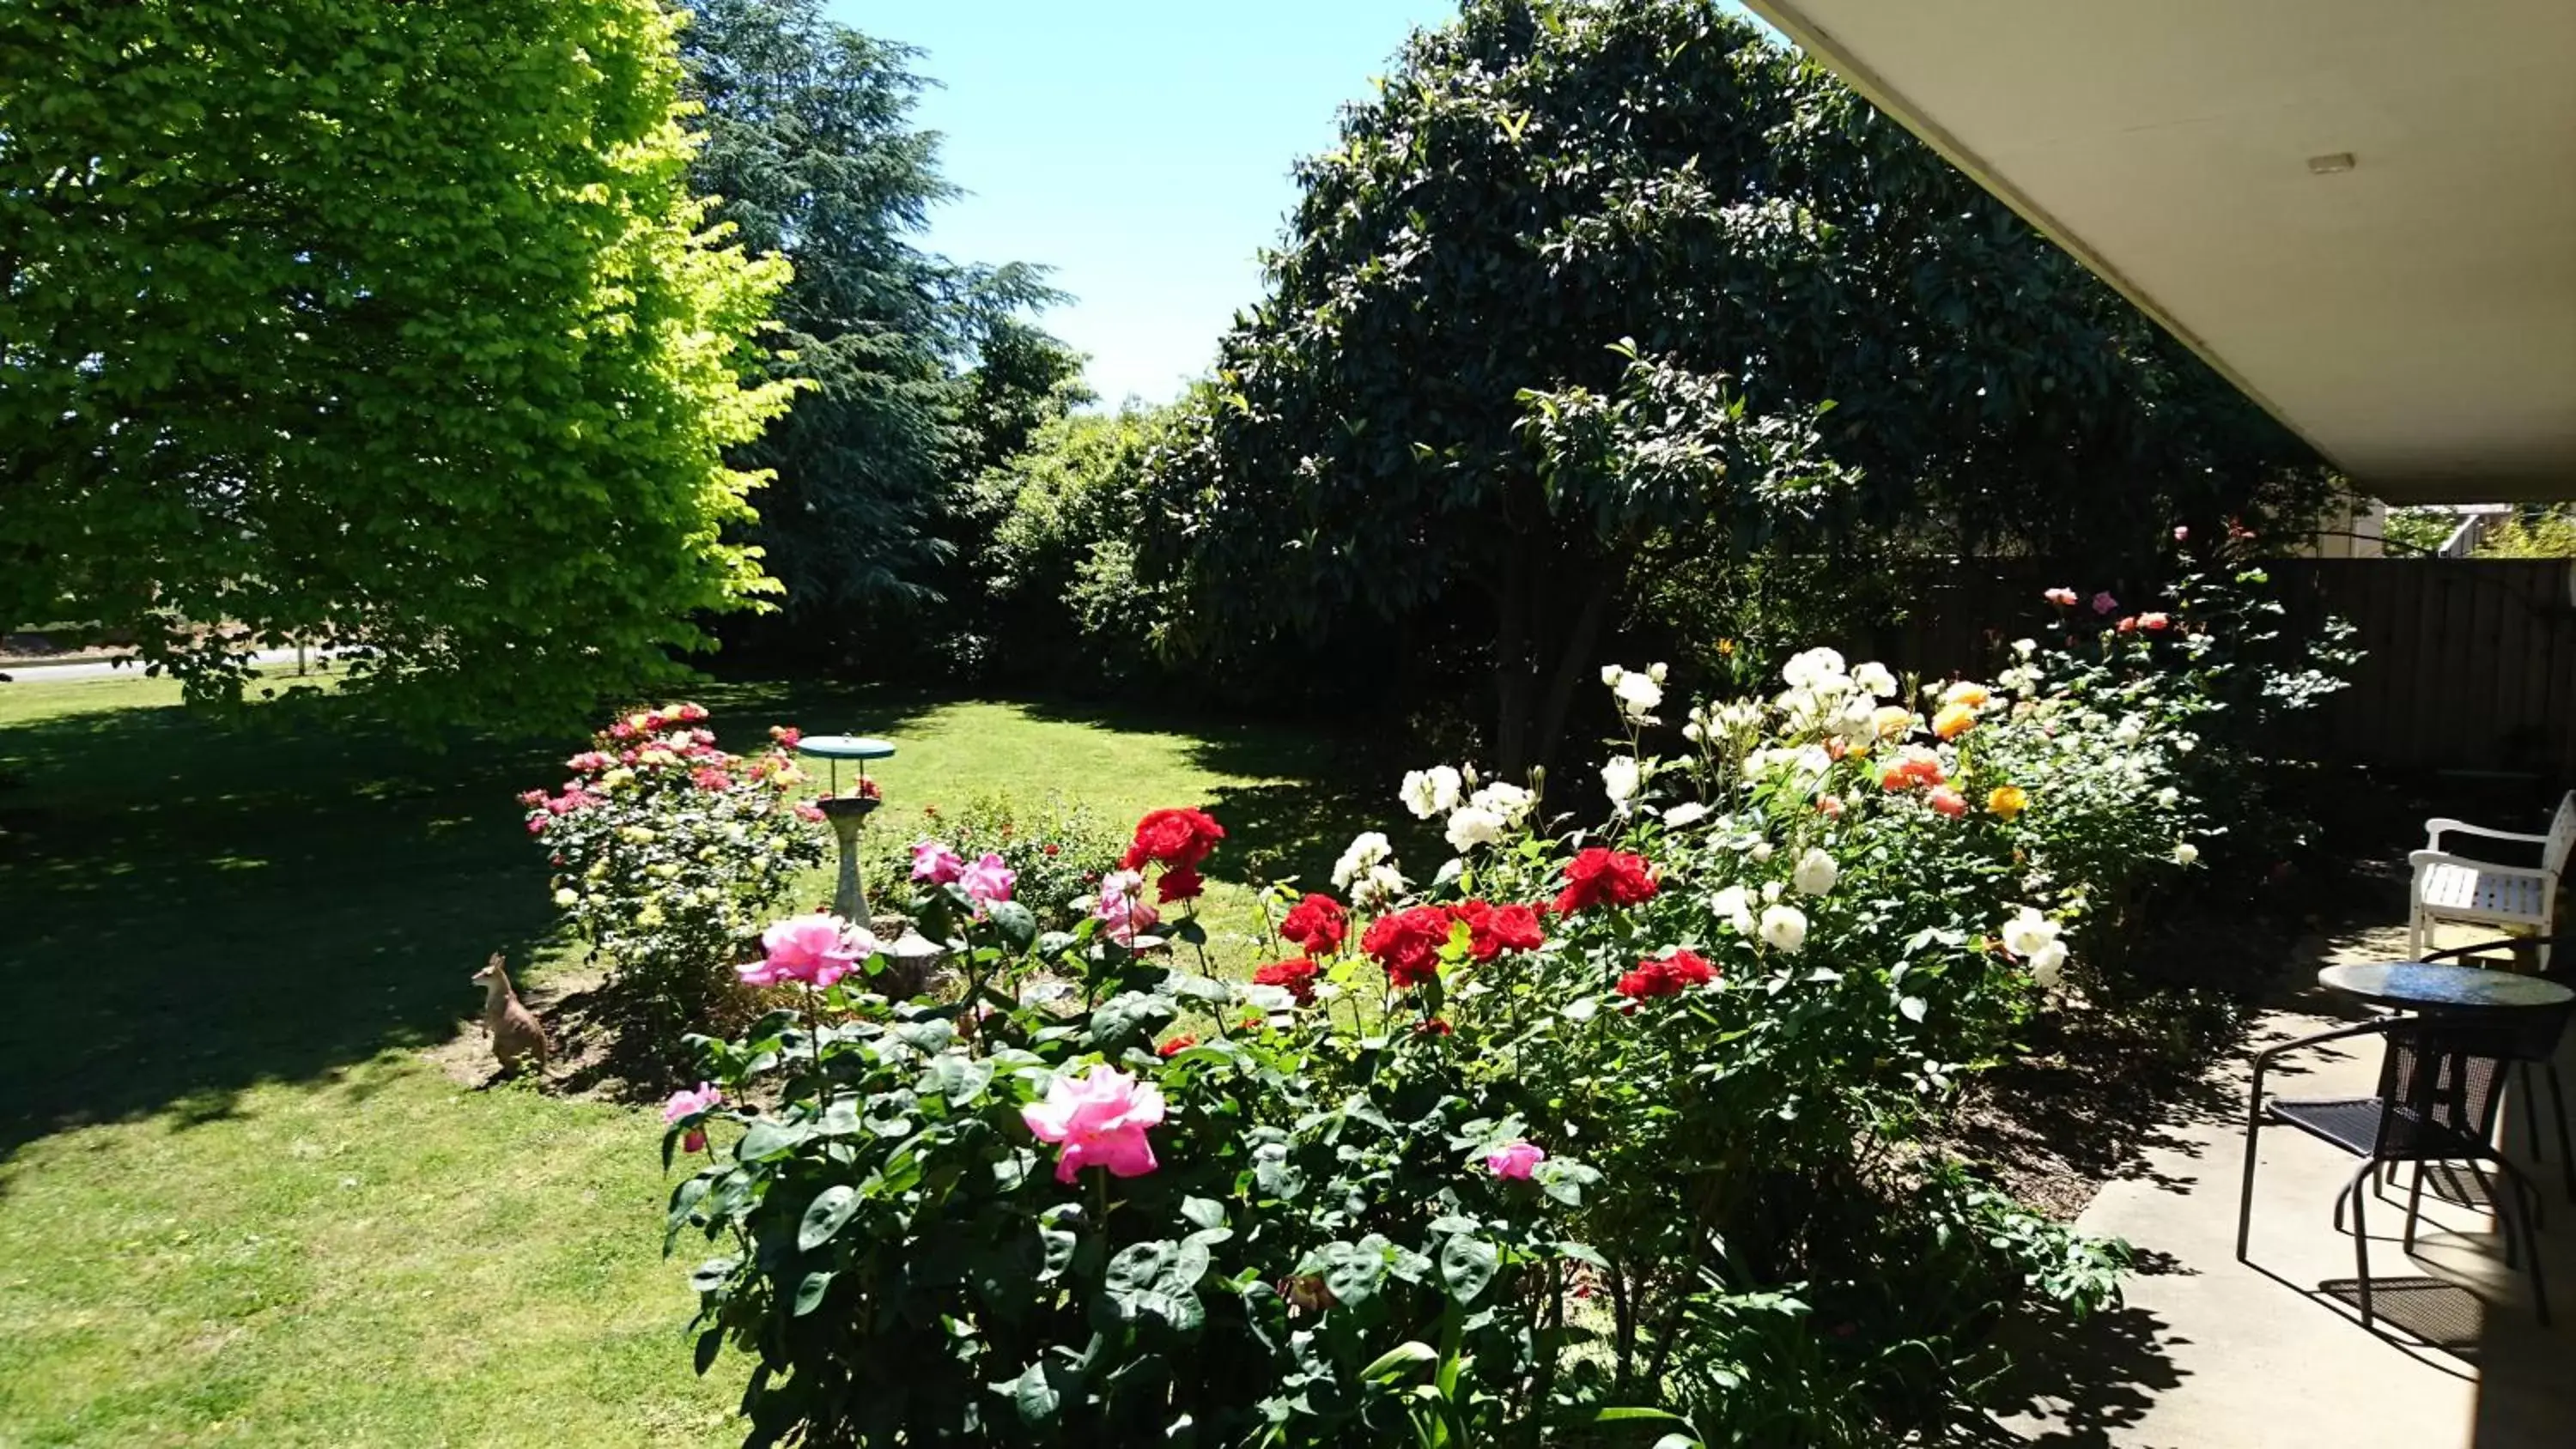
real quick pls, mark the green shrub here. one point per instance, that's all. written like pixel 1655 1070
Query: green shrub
pixel 669 855
pixel 1057 849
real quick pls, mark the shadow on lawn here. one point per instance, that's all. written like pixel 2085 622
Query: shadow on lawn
pixel 190 907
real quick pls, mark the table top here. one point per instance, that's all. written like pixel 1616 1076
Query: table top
pixel 2444 987
pixel 843 747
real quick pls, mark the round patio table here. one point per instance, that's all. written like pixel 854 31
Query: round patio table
pixel 2428 987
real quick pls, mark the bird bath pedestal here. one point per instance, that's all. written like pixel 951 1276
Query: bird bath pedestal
pixel 847 814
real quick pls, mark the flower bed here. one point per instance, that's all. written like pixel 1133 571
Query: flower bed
pixel 1625 1118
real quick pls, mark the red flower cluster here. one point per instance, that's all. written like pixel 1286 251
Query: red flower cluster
pixel 1297 976
pixel 1666 976
pixel 1493 929
pixel 1173 839
pixel 1599 877
pixel 1407 943
pixel 1317 924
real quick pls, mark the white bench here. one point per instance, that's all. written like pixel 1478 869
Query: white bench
pixel 2450 887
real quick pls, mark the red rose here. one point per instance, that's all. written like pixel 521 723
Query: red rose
pixel 1492 929
pixel 1408 943
pixel 1604 877
pixel 1436 1026
pixel 1179 885
pixel 1176 1046
pixel 1297 976
pixel 1666 976
pixel 1317 924
pixel 1178 839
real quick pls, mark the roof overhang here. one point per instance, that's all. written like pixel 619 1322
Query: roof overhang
pixel 2413 316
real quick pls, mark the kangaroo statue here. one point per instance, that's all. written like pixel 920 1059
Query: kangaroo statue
pixel 517 1040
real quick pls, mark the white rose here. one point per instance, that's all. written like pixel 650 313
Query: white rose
pixel 567 899
pixel 1610 675
pixel 1509 801
pixel 1376 888
pixel 1773 890
pixel 2048 963
pixel 1816 873
pixel 2024 648
pixel 1874 678
pixel 1367 849
pixel 1638 695
pixel 1470 827
pixel 1814 667
pixel 2184 744
pixel 1430 792
pixel 1761 851
pixel 1785 928
pixel 2028 931
pixel 2168 797
pixel 1688 813
pixel 1620 777
pixel 1734 907
pixel 2185 853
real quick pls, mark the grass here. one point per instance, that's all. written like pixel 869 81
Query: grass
pixel 240 1205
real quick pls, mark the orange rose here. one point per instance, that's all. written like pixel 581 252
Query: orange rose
pixel 1954 720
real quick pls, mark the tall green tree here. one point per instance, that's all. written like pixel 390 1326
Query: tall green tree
pixel 1576 289
pixel 810 150
pixel 388 327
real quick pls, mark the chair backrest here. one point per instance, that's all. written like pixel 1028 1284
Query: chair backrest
pixel 2441 1078
pixel 2562 836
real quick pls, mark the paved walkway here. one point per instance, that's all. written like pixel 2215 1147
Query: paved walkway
pixel 2211 1353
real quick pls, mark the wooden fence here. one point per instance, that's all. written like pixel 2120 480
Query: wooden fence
pixel 2469 664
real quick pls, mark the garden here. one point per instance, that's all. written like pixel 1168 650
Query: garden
pixel 1443 887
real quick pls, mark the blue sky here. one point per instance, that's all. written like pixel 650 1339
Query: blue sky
pixel 1139 147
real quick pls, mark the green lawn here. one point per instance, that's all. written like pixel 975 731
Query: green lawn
pixel 238 1206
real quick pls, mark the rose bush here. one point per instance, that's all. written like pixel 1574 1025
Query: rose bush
pixel 1056 851
pixel 670 855
pixel 1630 1114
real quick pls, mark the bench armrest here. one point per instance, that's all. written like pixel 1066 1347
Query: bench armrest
pixel 2423 858
pixel 2440 826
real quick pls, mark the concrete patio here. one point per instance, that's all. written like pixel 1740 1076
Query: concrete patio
pixel 2210 1353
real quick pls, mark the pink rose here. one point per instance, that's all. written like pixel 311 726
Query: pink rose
pixel 2181 534
pixel 2103 603
pixel 1121 911
pixel 1948 801
pixel 2155 621
pixel 689 1104
pixel 1097 1120
pixel 818 950
pixel 2062 598
pixel 934 862
pixel 987 880
pixel 1517 1161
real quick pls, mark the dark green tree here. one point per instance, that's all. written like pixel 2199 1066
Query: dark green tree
pixel 384 327
pixel 1575 290
pixel 810 150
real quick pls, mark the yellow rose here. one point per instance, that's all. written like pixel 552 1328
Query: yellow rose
pixel 2008 800
pixel 1890 721
pixel 567 899
pixel 614 778
pixel 1954 720
pixel 635 835
pixel 1972 695
pixel 651 915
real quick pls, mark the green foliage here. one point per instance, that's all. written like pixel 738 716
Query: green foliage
pixel 1056 848
pixel 1317 1254
pixel 810 151
pixel 1055 560
pixel 390 328
pixel 1572 292
pixel 2414 531
pixel 670 854
pixel 2533 532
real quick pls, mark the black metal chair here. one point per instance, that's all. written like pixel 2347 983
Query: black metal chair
pixel 2438 1086
pixel 2533 1053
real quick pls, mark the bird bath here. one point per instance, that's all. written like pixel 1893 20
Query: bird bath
pixel 847 814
